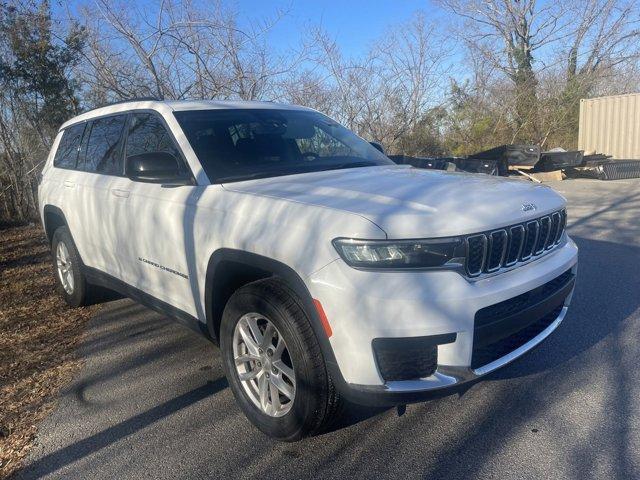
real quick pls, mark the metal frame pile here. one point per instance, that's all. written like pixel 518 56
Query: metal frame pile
pixel 530 161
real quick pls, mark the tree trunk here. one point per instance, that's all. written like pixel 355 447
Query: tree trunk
pixel 526 108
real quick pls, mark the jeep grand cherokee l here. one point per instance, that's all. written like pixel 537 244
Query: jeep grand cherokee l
pixel 323 270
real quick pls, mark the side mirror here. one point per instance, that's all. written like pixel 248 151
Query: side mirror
pixel 378 147
pixel 154 167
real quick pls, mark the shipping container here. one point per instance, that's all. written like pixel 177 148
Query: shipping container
pixel 610 125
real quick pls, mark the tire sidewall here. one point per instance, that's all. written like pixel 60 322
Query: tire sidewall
pixel 62 235
pixel 300 419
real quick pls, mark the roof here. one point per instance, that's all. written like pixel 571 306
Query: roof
pixel 229 104
pixel 167 106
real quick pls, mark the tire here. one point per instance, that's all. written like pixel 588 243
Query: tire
pixel 315 400
pixel 74 288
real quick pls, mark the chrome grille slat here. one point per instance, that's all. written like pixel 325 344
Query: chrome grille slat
pixel 563 225
pixel 491 251
pixel 553 233
pixel 532 230
pixel 476 259
pixel 515 247
pixel 543 234
pixel 498 240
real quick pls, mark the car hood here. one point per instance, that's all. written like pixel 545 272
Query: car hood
pixel 414 203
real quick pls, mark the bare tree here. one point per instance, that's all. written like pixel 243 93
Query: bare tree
pixel 599 51
pixel 182 50
pixel 384 94
pixel 524 65
pixel 606 35
pixel 507 33
pixel 571 45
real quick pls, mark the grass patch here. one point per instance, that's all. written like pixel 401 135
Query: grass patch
pixel 39 334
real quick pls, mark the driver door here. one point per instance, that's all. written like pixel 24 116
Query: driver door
pixel 153 224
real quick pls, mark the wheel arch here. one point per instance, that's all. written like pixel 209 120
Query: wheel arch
pixel 229 269
pixel 222 266
pixel 53 218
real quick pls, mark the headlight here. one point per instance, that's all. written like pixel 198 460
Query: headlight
pixel 401 254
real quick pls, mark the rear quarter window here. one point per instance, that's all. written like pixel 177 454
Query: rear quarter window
pixel 67 152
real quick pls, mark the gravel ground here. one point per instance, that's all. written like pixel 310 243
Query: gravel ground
pixel 152 402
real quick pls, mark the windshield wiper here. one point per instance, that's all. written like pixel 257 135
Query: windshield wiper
pixel 307 169
pixel 340 166
pixel 245 176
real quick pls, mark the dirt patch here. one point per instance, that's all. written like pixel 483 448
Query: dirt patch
pixel 38 339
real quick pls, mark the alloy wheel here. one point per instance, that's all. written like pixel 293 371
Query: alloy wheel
pixel 65 268
pixel 263 364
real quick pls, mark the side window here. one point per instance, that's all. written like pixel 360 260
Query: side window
pixel 67 152
pixel 103 152
pixel 147 134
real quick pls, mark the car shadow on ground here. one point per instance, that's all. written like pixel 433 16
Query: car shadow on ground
pixel 67 455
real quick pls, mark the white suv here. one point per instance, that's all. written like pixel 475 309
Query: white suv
pixel 323 270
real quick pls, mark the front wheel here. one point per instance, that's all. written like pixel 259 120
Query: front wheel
pixel 68 268
pixel 273 362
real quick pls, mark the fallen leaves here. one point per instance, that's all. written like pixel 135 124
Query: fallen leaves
pixel 39 334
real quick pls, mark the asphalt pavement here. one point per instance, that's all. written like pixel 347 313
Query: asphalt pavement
pixel 152 401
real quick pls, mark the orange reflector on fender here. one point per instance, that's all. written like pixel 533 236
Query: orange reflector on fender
pixel 323 318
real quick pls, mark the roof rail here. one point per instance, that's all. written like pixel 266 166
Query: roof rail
pixel 134 99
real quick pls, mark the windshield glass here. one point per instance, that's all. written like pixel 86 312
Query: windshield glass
pixel 235 145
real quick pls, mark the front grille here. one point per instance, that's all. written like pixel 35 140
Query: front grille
pixel 488 353
pixel 491 251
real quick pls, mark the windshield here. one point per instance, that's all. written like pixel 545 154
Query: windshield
pixel 235 145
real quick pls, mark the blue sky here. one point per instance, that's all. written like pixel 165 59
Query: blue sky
pixel 353 23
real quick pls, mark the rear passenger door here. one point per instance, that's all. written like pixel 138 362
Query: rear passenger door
pixel 99 163
pixel 153 220
pixel 62 191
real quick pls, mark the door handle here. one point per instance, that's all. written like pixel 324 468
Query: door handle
pixel 120 193
pixel 69 184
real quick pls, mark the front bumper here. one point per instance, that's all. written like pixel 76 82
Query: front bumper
pixel 442 382
pixel 362 306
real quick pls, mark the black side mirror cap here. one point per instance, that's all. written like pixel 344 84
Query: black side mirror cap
pixel 155 167
pixel 378 147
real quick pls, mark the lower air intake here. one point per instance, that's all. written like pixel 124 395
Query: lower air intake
pixel 409 358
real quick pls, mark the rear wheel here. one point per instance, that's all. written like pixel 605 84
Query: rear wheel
pixel 273 362
pixel 67 264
